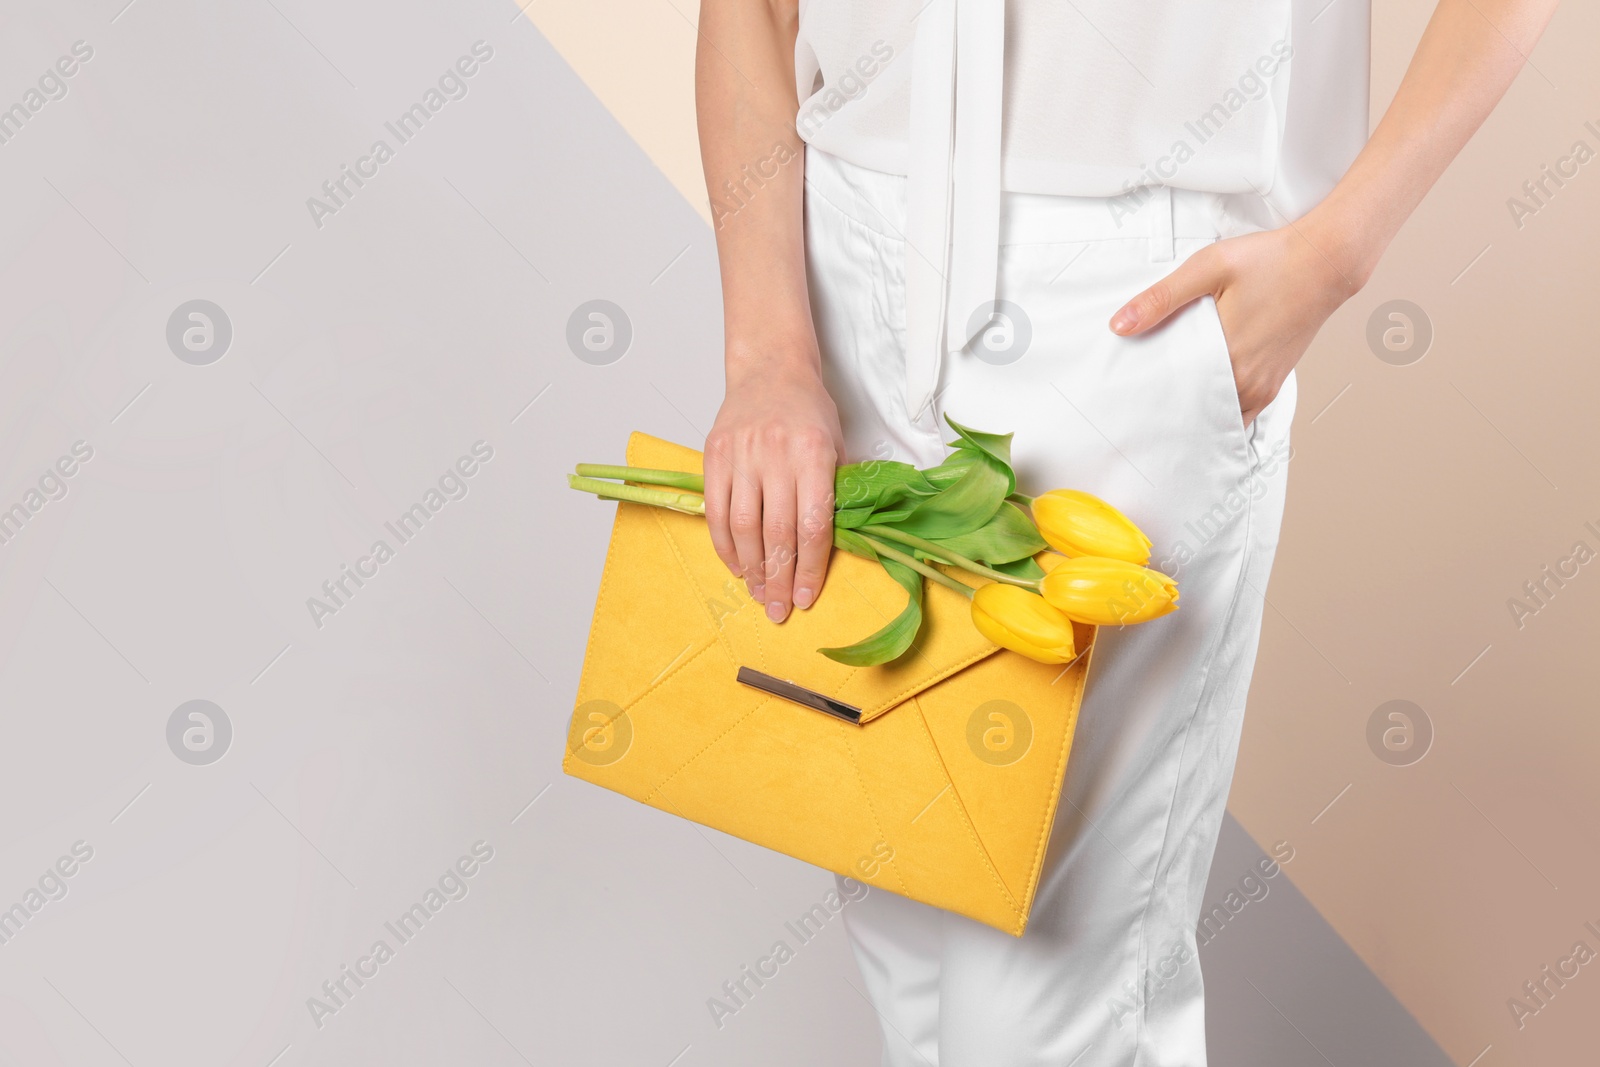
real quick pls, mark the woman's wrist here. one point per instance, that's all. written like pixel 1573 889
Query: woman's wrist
pixel 1351 240
pixel 1343 239
pixel 772 352
pixel 1355 222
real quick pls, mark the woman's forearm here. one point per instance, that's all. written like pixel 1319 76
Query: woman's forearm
pixel 754 166
pixel 1469 55
pixel 771 454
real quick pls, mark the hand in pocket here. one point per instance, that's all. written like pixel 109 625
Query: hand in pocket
pixel 1273 289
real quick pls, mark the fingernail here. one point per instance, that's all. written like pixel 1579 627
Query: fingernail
pixel 1124 320
pixel 757 590
pixel 803 597
pixel 776 611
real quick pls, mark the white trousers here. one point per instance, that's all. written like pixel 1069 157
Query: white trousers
pixel 1108 973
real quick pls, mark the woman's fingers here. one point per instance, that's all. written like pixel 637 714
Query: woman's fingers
pixel 778 540
pixel 773 530
pixel 769 481
pixel 744 523
pixel 814 533
pixel 1198 275
pixel 771 527
pixel 719 488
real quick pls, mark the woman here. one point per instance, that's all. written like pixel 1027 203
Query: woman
pixel 1113 227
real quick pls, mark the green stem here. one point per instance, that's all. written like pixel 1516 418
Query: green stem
pixel 687 503
pixel 695 505
pixel 1021 498
pixel 675 479
pixel 950 557
pixel 920 567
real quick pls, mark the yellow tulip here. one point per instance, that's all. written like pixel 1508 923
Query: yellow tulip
pixel 1014 618
pixel 1081 524
pixel 1108 592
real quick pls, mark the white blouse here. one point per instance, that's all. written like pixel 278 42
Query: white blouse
pixel 1265 99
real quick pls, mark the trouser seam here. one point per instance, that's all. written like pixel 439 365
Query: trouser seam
pixel 1207 691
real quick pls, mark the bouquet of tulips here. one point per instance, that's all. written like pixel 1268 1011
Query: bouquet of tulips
pixel 966 515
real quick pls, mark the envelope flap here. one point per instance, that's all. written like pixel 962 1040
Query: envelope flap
pixel 858 598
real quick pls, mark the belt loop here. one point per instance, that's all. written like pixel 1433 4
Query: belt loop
pixel 1161 244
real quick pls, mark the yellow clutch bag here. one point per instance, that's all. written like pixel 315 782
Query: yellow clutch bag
pixel 935 777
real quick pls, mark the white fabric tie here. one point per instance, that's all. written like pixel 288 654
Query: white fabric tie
pixel 953 184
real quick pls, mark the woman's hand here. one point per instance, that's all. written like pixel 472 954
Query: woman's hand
pixel 1273 289
pixel 1276 288
pixel 769 465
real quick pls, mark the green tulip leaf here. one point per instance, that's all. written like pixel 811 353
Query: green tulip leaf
pixel 1027 567
pixel 960 505
pixel 878 482
pixel 892 641
pixel 854 543
pixel 963 507
pixel 850 518
pixel 954 466
pixel 994 445
pixel 1007 537
pixel 889 518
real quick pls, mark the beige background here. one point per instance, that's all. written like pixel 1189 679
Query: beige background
pixel 1423 497
pixel 1422 500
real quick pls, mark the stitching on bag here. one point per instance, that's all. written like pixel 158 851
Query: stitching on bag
pixel 599 605
pixel 761 649
pixel 721 639
pixel 877 827
pixel 659 786
pixel 966 819
pixel 917 687
pixel 675 669
pixel 857 670
pixel 885 705
pixel 655 686
pixel 649 691
pixel 677 553
pixel 1047 818
pixel 600 598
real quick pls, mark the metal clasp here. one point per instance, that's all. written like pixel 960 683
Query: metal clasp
pixel 799 694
